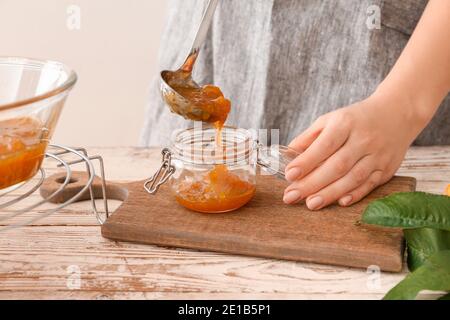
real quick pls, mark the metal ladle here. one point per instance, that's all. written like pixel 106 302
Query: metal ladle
pixel 183 76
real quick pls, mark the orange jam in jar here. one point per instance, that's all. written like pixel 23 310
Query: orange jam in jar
pixel 210 180
pixel 218 191
pixel 213 185
pixel 22 149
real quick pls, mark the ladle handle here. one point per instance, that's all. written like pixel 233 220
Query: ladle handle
pixel 201 35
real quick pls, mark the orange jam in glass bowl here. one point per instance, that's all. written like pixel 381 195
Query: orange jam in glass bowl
pixel 32 95
pixel 209 179
pixel 22 149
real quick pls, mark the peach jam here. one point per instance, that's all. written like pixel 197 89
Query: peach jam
pixel 217 191
pixel 210 179
pixel 22 150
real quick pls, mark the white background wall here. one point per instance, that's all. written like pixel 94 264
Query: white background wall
pixel 114 54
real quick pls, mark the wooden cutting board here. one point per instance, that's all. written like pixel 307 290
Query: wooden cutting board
pixel 265 227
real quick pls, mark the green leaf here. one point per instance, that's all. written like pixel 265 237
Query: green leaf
pixel 410 210
pixel 424 242
pixel 433 275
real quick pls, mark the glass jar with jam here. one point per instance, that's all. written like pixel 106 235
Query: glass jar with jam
pixel 215 178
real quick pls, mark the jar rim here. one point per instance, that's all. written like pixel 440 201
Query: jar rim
pixel 197 145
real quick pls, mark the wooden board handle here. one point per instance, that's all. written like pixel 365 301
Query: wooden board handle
pixel 78 181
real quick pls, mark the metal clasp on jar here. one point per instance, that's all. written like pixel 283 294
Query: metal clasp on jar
pixel 165 171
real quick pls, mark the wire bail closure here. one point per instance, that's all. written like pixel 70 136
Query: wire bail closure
pixel 165 171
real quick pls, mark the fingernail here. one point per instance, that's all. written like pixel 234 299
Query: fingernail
pixel 345 201
pixel 314 203
pixel 293 174
pixel 291 196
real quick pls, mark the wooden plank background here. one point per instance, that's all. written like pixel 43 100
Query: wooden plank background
pixel 36 261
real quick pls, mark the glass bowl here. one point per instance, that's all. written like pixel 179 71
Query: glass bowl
pixel 32 95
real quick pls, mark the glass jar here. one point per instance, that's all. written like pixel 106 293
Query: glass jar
pixel 209 179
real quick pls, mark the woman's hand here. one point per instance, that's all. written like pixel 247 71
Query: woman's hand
pixel 349 152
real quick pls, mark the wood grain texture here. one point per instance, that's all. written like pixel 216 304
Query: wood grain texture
pixel 34 260
pixel 110 267
pixel 265 227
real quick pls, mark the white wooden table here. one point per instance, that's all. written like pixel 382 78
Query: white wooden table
pixel 65 257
